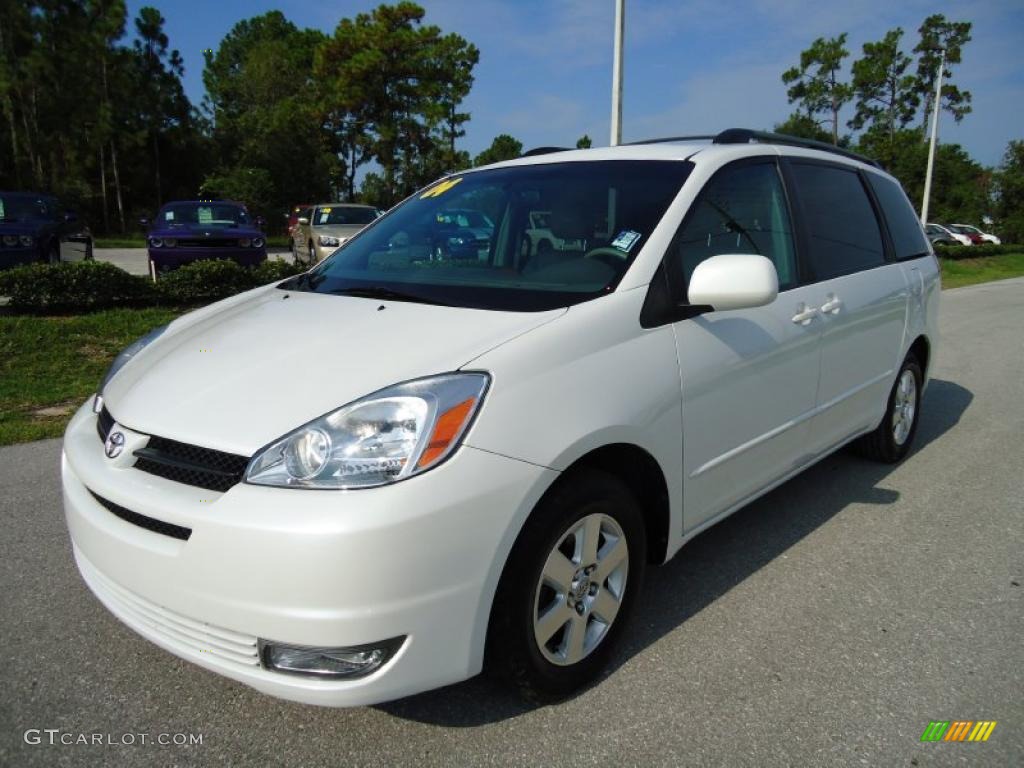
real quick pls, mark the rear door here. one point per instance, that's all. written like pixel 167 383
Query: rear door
pixel 861 294
pixel 749 377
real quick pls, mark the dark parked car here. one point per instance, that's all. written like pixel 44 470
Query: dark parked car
pixel 36 228
pixel 187 231
pixel 462 234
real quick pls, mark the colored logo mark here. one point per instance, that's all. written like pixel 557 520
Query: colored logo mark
pixel 958 730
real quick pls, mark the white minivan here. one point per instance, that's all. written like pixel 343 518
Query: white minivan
pixel 423 458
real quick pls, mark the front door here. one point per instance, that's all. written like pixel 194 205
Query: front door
pixel 749 377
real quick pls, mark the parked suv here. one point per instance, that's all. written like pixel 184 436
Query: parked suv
pixel 36 228
pixel 451 464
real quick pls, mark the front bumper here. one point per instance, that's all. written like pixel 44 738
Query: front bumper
pixel 418 559
pixel 13 257
pixel 171 258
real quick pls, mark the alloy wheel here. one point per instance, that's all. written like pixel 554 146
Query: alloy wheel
pixel 580 589
pixel 904 407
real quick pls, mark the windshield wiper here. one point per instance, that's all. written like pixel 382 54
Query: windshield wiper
pixel 383 292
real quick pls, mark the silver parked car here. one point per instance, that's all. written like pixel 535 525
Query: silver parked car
pixel 328 226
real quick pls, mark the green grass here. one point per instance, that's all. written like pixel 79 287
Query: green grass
pixel 56 362
pixel 961 272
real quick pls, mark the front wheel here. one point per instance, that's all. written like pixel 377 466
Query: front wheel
pixel 891 440
pixel 568 587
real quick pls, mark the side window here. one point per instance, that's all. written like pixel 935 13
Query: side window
pixel 843 229
pixel 742 209
pixel 904 226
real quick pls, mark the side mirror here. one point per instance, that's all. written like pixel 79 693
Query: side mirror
pixel 734 281
pixel 70 217
pixel 144 222
pixel 303 220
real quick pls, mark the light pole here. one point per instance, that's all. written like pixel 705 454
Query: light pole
pixel 620 25
pixel 931 145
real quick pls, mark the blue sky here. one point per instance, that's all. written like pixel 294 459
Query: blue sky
pixel 690 67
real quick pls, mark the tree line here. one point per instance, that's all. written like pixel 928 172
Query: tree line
pixel 290 115
pixel 891 92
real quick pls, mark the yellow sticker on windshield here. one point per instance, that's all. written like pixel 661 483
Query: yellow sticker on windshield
pixel 440 189
pixel 325 210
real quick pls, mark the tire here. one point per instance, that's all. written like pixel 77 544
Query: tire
pixel 88 251
pixel 892 439
pixel 552 550
pixel 312 254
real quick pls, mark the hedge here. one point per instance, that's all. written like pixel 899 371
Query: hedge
pixel 957 252
pixel 90 285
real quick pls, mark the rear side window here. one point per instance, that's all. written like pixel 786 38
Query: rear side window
pixel 844 233
pixel 904 227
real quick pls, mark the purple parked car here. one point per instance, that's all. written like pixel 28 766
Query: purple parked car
pixel 187 231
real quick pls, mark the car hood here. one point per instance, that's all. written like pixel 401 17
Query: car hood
pixel 246 373
pixel 338 230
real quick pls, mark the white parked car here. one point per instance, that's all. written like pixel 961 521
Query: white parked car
pixel 947 234
pixel 395 470
pixel 968 230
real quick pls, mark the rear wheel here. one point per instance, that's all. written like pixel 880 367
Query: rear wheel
pixel 568 587
pixel 891 440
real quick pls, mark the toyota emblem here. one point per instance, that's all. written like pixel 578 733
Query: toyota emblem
pixel 114 445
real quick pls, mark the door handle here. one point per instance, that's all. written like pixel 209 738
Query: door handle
pixel 805 314
pixel 832 306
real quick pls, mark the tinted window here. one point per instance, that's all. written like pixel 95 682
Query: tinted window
pixel 468 240
pixel 741 210
pixel 904 226
pixel 844 233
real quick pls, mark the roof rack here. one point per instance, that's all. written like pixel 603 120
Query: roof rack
pixel 746 135
pixel 543 151
pixel 667 139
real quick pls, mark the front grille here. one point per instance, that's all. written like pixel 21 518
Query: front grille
pixel 211 243
pixel 149 523
pixel 190 464
pixel 104 423
pixel 167 626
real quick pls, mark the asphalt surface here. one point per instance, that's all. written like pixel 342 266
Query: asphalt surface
pixel 826 624
pixel 135 261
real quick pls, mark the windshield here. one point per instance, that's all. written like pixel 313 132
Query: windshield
pixel 470 240
pixel 23 208
pixel 202 214
pixel 343 215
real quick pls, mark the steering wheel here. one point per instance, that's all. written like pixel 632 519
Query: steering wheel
pixel 611 256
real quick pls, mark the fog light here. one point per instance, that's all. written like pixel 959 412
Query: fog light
pixel 357 661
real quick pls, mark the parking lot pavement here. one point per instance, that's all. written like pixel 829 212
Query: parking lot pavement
pixel 825 624
pixel 136 262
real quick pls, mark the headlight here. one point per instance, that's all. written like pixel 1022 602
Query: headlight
pixel 11 240
pixel 156 242
pixel 257 242
pixel 244 242
pixel 128 353
pixel 385 437
pixel 25 240
pixel 328 240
